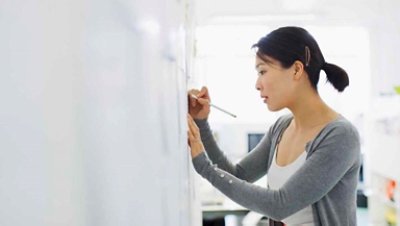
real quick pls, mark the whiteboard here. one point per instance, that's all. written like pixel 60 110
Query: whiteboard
pixel 93 113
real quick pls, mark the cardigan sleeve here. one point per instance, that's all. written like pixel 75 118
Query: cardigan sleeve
pixel 252 167
pixel 336 154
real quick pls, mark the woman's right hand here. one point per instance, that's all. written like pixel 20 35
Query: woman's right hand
pixel 200 108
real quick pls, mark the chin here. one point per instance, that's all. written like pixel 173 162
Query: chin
pixel 274 108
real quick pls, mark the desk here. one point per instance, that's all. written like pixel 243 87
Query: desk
pixel 228 207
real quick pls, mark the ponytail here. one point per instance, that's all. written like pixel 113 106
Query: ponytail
pixel 336 76
pixel 288 44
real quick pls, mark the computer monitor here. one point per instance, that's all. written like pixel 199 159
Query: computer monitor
pixel 253 139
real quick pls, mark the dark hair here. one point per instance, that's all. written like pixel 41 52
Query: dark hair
pixel 288 44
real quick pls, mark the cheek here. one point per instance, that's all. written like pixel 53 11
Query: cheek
pixel 278 91
pixel 267 83
pixel 270 85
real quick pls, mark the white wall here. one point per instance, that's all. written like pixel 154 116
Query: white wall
pixel 92 114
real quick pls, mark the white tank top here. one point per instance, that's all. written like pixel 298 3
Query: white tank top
pixel 277 176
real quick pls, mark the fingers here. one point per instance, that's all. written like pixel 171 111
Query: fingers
pixel 190 137
pixel 192 125
pixel 193 92
pixel 194 140
pixel 202 96
pixel 192 100
pixel 203 92
pixel 194 133
pixel 203 101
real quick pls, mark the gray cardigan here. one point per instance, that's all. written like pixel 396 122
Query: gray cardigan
pixel 327 180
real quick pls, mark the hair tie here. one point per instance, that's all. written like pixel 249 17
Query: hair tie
pixel 308 55
pixel 324 65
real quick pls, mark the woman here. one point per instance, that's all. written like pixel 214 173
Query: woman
pixel 311 157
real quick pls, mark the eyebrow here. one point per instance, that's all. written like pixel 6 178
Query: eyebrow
pixel 259 64
pixel 265 61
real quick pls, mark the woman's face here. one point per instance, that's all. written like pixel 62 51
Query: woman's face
pixel 274 82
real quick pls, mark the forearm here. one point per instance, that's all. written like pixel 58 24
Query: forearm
pixel 267 202
pixel 215 154
pixel 252 167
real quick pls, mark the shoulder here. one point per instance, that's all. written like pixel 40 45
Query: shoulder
pixel 341 127
pixel 281 123
pixel 340 135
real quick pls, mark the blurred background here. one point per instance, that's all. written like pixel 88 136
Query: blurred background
pixel 93 104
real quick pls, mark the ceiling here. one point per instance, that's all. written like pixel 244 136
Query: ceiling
pixel 275 11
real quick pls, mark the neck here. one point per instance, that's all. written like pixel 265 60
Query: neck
pixel 311 111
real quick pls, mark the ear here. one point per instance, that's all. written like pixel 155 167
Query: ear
pixel 298 69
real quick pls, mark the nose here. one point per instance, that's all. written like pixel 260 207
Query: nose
pixel 258 84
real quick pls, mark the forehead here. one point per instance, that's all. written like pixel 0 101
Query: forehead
pixel 266 60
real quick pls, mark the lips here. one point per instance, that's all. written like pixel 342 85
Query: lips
pixel 265 98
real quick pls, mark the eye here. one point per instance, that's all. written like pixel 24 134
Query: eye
pixel 262 72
